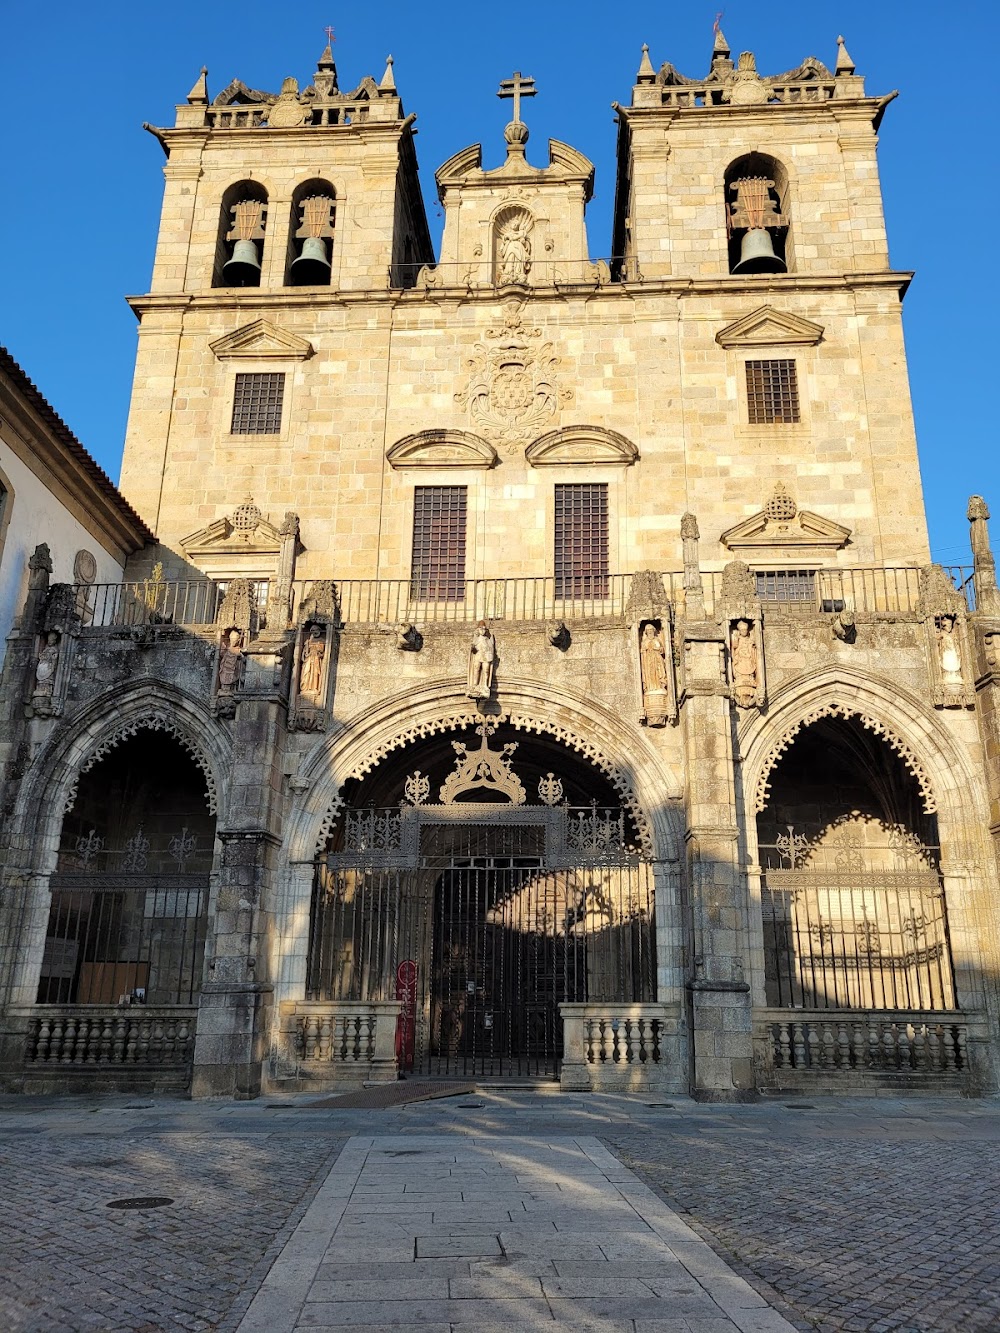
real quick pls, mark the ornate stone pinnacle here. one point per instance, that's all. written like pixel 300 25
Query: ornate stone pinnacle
pixel 647 74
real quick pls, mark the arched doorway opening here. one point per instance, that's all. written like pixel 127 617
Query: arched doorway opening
pixel 485 880
pixel 128 912
pixel 857 959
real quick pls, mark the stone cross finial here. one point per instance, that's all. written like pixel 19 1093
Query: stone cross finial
pixel 521 85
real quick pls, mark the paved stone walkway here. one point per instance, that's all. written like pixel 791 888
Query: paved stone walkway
pixel 857 1216
pixel 497 1232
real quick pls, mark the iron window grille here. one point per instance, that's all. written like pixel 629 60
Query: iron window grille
pixel 772 392
pixel 257 403
pixel 786 585
pixel 581 540
pixel 437 569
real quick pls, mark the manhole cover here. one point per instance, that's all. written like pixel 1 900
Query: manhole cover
pixel 150 1201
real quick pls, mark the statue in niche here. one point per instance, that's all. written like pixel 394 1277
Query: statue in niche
pixel 482 661
pixel 949 653
pixel 45 670
pixel 311 668
pixel 744 658
pixel 653 658
pixel 653 671
pixel 230 659
pixel 514 249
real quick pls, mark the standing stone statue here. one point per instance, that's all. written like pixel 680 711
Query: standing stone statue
pixel 656 695
pixel 482 659
pixel 311 669
pixel 744 658
pixel 652 659
pixel 45 671
pixel 514 250
pixel 949 652
pixel 230 657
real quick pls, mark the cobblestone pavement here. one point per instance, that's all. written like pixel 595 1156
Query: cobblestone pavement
pixel 68 1262
pixel 858 1215
pixel 847 1230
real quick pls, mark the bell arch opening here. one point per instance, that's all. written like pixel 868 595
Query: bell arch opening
pixel 484 880
pixel 852 899
pixel 758 222
pixel 129 896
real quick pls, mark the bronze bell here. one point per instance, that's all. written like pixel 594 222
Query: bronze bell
pixel 311 268
pixel 757 253
pixel 242 269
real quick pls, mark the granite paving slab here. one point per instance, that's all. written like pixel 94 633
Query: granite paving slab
pixel 570 1239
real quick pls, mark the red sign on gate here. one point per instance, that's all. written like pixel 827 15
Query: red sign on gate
pixel 406 1023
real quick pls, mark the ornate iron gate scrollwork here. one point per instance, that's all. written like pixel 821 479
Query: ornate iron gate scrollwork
pixel 505 913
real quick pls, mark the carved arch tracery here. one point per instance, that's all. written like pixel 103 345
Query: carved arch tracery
pixel 520 722
pixel 124 731
pixel 833 709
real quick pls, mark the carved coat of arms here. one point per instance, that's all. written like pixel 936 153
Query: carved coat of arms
pixel 512 390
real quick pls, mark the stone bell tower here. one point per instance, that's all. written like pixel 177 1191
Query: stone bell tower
pixel 277 208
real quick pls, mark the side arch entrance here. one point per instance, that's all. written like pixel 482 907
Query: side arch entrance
pixel 481 890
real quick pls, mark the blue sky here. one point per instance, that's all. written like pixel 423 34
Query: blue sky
pixel 82 182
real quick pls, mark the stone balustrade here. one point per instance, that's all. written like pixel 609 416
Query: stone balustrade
pixel 345 1040
pixel 620 1046
pixel 864 1042
pixel 76 1037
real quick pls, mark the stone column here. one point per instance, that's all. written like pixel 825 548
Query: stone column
pixel 719 995
pixel 235 1002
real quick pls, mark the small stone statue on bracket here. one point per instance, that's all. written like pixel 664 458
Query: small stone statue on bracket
pixel 949 653
pixel 482 662
pixel 45 674
pixel 230 661
pixel 311 670
pixel 745 660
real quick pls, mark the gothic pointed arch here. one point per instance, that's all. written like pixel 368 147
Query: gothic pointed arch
pixel 939 765
pixel 109 721
pixel 647 789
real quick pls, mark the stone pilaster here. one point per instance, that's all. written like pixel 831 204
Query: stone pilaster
pixel 719 1010
pixel 234 1007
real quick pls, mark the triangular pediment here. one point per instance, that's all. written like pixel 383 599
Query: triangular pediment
pixel 224 538
pixel 575 445
pixel 768 327
pixel 441 448
pixel 262 340
pixel 782 524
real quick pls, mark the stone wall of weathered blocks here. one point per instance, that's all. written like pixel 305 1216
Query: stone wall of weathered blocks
pixel 646 366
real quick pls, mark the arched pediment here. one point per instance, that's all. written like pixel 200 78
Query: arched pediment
pixel 441 448
pixel 581 444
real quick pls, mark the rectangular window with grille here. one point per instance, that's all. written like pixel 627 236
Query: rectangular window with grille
pixel 437 571
pixel 257 404
pixel 581 540
pixel 786 585
pixel 772 392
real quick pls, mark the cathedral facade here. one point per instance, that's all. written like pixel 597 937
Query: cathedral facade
pixel 539 670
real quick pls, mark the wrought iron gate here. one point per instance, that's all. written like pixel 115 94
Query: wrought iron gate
pixel 482 924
